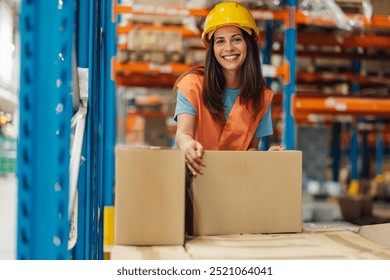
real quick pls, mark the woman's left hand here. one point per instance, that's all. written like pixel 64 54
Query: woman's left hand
pixel 276 148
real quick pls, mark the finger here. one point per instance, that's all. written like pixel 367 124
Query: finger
pixel 199 150
pixel 195 167
pixel 191 168
pixel 199 160
pixel 193 161
pixel 197 164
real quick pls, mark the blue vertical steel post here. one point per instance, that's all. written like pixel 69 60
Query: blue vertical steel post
pixel 267 49
pixel 93 180
pixel 90 173
pixel 108 124
pixel 336 150
pixel 109 117
pixel 353 157
pixel 44 136
pixel 290 41
pixel 81 249
pixel 82 33
pixel 266 57
pixel 354 146
pixel 365 169
pixel 379 156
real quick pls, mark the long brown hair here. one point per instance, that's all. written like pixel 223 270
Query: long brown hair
pixel 251 80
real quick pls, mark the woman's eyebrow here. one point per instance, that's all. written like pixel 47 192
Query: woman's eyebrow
pixel 234 35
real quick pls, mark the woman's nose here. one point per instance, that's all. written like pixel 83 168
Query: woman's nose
pixel 229 46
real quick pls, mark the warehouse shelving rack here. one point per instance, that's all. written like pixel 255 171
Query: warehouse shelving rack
pixel 49 33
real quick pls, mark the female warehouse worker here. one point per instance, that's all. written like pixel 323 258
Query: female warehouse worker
pixel 224 105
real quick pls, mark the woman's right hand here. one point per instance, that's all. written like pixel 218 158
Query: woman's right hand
pixel 193 151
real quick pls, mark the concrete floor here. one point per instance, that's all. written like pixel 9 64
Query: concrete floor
pixel 8 217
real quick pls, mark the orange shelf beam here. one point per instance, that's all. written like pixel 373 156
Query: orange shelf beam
pixel 146 67
pixel 149 74
pixel 142 80
pixel 328 77
pixel 187 33
pixel 351 41
pixel 377 21
pixel 304 105
pixel 145 74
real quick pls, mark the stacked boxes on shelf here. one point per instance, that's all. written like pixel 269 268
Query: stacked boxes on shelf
pixel 380 7
pixel 145 117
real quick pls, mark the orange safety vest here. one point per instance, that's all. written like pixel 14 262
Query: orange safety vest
pixel 240 127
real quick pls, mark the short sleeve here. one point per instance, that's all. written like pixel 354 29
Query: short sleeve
pixel 265 126
pixel 183 106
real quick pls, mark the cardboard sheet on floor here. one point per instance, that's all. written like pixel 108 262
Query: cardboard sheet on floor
pixel 299 246
pixel 121 252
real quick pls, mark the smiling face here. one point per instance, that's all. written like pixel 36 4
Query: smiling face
pixel 230 48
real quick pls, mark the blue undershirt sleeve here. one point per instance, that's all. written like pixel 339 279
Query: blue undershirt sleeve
pixel 265 126
pixel 183 106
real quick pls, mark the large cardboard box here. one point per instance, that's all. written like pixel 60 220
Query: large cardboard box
pixel 149 196
pixel 248 192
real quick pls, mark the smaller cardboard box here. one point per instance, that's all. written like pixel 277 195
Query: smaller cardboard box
pixel 149 196
pixel 248 192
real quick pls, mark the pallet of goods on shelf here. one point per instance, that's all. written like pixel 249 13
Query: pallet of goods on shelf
pixel 152 46
pixel 380 7
pixel 141 8
pixel 354 6
pixel 145 117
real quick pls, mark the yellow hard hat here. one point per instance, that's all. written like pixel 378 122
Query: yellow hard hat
pixel 229 13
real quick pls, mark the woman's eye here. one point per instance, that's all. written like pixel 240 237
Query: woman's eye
pixel 237 39
pixel 219 42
